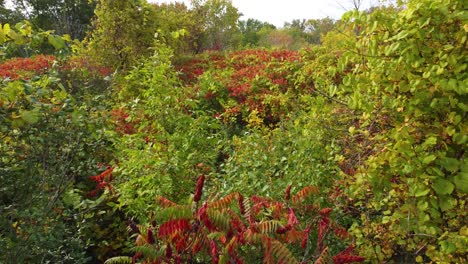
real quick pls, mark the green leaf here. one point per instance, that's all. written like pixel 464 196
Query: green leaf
pixel 421 192
pixel 443 186
pixel 447 203
pixel 30 117
pixel 2 35
pixel 447 247
pixel 119 260
pixel 429 159
pixel 450 164
pixel 461 181
pixel 430 141
pixel 57 42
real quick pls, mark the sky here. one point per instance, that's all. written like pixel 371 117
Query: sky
pixel 279 11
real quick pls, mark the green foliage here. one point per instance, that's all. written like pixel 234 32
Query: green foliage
pixel 219 21
pixel 282 39
pixel 316 28
pixel 374 117
pixel 177 26
pixel 8 15
pixel 295 35
pixel 71 17
pixel 119 260
pixel 23 41
pixel 121 33
pixel 407 85
pixel 252 31
pixel 266 162
pixel 161 154
pixel 49 143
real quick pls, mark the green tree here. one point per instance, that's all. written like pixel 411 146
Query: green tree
pixel 285 38
pixel 8 15
pixel 72 17
pixel 219 24
pixel 121 33
pixel 309 30
pixel 316 28
pixel 51 142
pixel 177 26
pixel 251 30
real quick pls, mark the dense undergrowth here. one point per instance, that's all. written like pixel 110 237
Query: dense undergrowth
pixel 350 151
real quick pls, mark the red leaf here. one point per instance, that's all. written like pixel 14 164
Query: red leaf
pixel 241 204
pixel 168 251
pixel 342 259
pixel 214 252
pixel 199 188
pixel 173 226
pixel 306 236
pixel 150 237
pixel 325 211
pixel 288 193
pixel 203 216
pixel 292 219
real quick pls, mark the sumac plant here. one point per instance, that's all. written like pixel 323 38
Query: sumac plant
pixel 238 229
pixel 25 68
pixel 245 87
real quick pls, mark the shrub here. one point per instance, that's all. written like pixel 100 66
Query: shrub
pixel 240 229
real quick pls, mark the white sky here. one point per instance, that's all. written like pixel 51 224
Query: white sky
pixel 279 11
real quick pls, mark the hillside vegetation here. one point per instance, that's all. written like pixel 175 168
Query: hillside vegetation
pixel 182 135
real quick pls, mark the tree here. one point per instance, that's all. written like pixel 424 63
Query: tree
pixel 9 16
pixel 285 38
pixel 299 24
pixel 177 26
pixel 219 24
pixel 72 17
pixel 121 34
pixel 278 39
pixel 316 28
pixel 310 30
pixel 251 30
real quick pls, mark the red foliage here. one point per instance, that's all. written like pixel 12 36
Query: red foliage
pixel 247 77
pixel 81 63
pixel 305 238
pixel 199 188
pixel 103 181
pixel 25 68
pixel 122 125
pixel 164 202
pixel 173 226
pixel 340 231
pixel 292 219
pixel 150 237
pixel 214 252
pixel 241 204
pixel 287 196
pixel 225 230
pixel 324 223
pixel 168 251
pixel 203 216
pixel 304 193
pixel 345 256
pixel 325 212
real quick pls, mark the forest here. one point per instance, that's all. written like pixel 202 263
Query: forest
pixel 138 132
